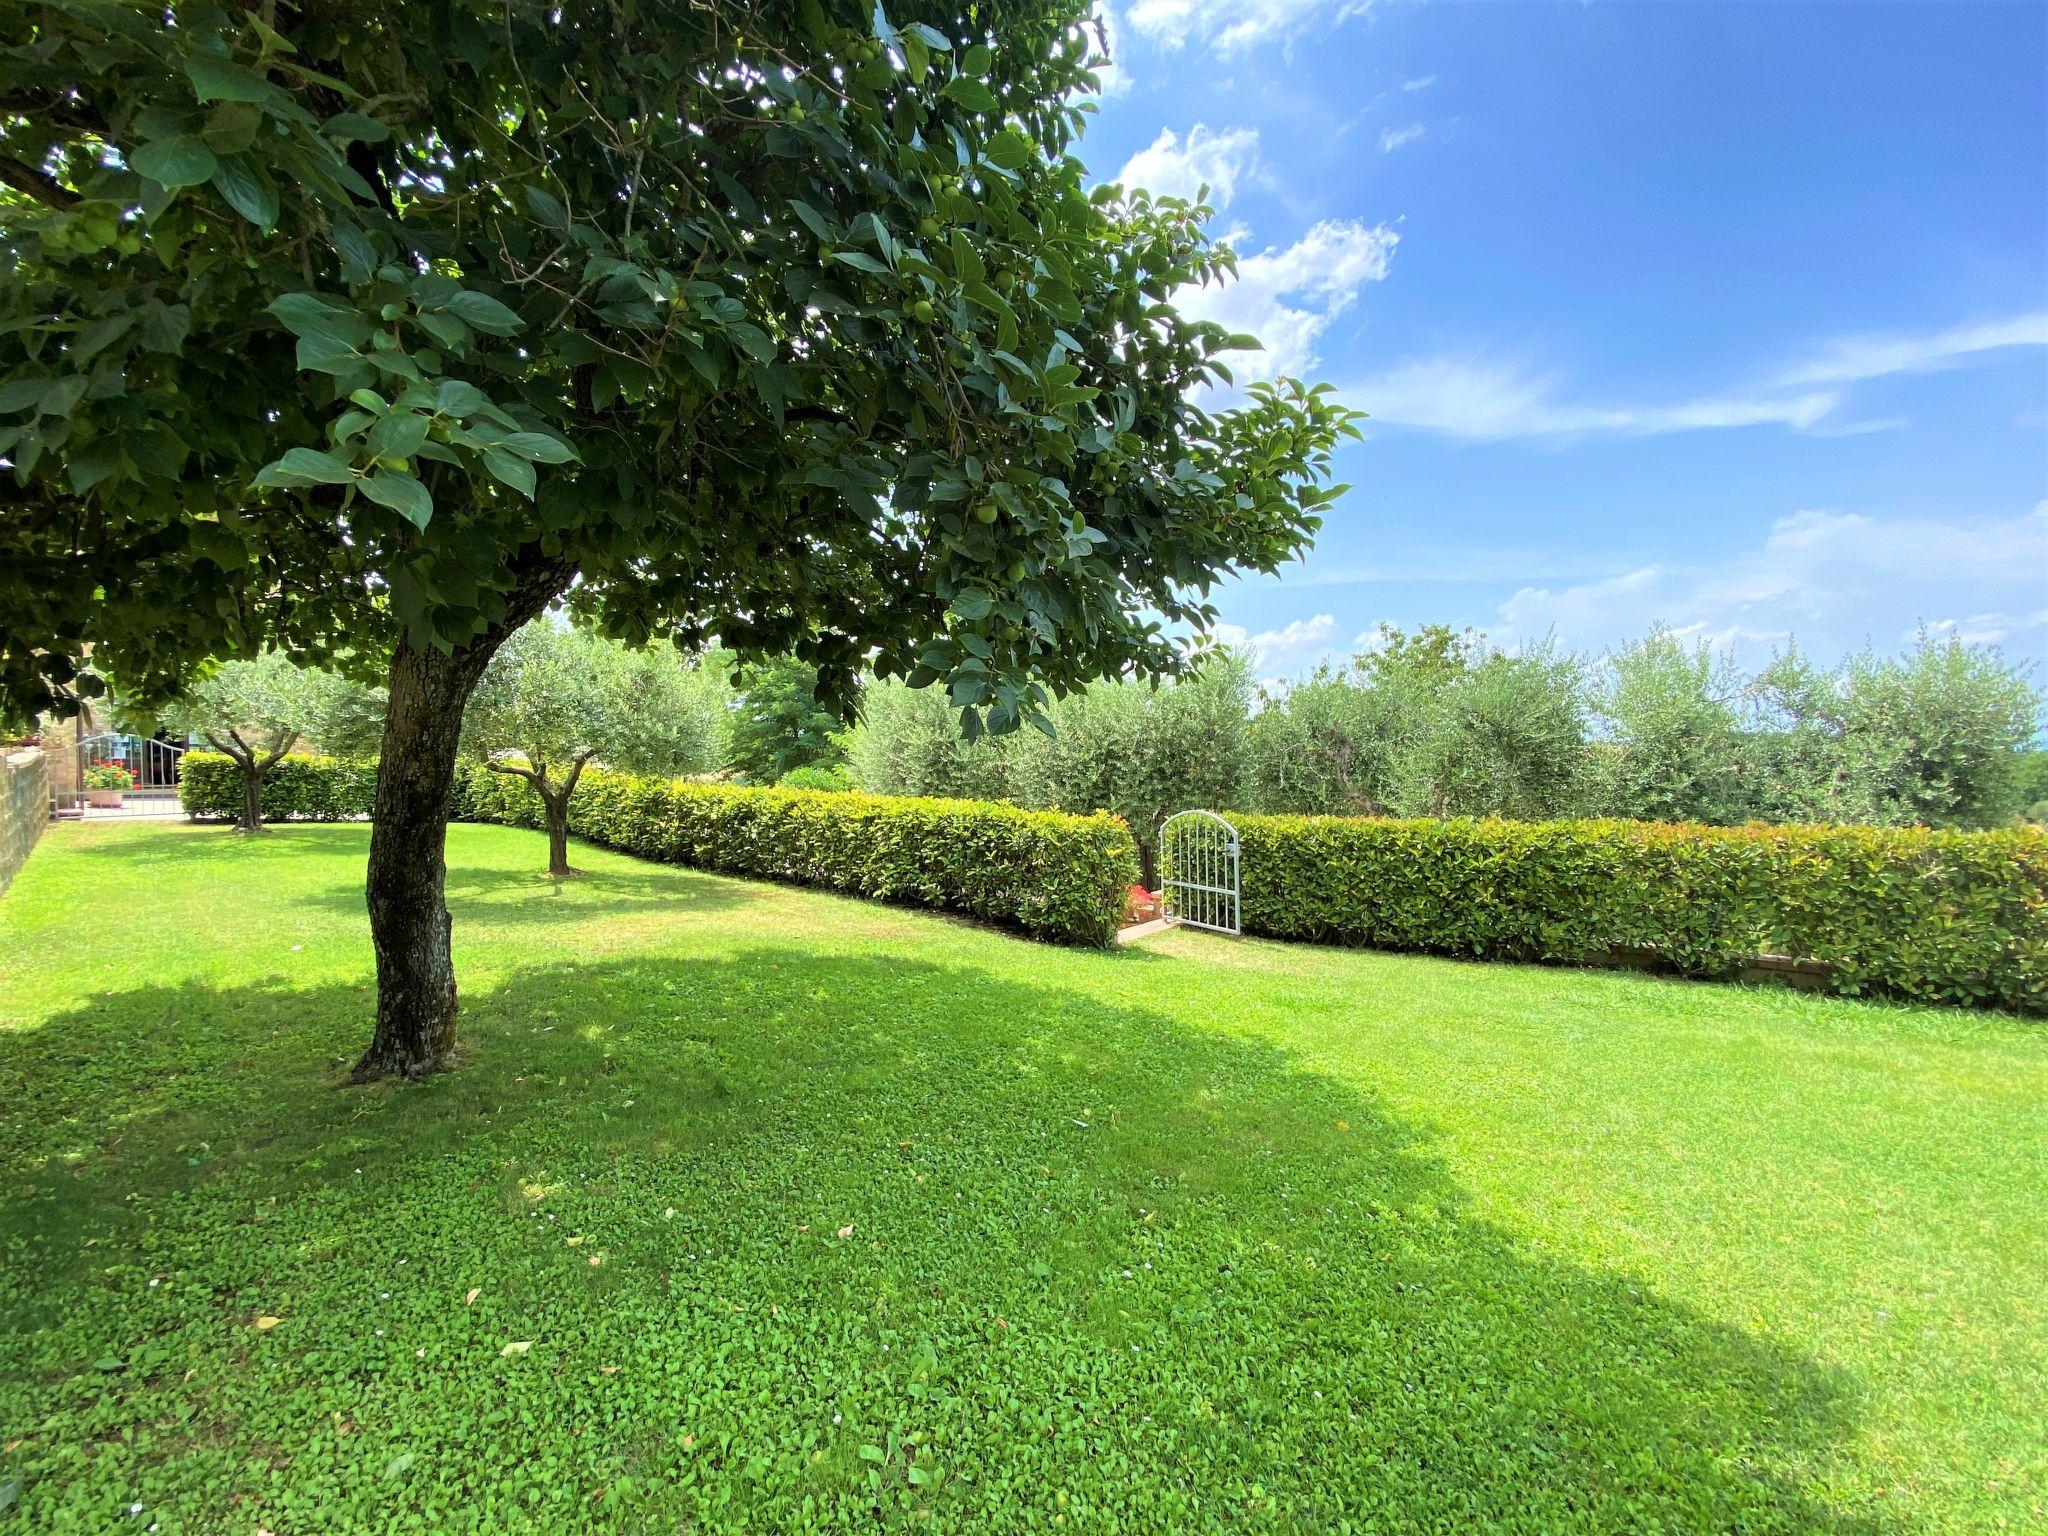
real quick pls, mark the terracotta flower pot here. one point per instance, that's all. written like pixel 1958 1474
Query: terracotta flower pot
pixel 107 799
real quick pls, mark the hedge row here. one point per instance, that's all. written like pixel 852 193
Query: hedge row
pixel 297 788
pixel 1953 917
pixel 1053 875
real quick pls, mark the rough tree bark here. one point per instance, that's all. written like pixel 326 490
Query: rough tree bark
pixel 407 881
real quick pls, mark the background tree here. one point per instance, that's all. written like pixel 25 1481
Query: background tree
pixel 553 698
pixel 1324 744
pixel 1142 751
pixel 257 711
pixel 779 724
pixel 1673 716
pixel 1497 734
pixel 372 329
pixel 908 742
pixel 1935 737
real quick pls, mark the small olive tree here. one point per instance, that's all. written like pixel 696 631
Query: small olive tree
pixel 256 711
pixel 555 698
pixel 1672 712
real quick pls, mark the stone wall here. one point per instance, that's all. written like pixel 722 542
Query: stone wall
pixel 24 807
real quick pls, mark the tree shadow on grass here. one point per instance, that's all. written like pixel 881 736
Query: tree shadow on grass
pixel 770 1217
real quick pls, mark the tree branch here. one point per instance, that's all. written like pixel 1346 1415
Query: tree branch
pixel 44 189
pixel 289 740
pixel 243 757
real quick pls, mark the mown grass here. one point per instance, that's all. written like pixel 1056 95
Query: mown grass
pixel 821 1215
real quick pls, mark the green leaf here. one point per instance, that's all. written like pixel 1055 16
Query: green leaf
pixel 547 208
pixel 179 161
pixel 538 446
pixel 1010 150
pixel 248 191
pixel 971 94
pixel 457 397
pixel 308 314
pixel 484 313
pixel 49 396
pixel 397 436
pixel 102 333
pixel 861 261
pixel 347 127
pixel 813 220
pixel 217 79
pixel 165 328
pixel 516 473
pixel 402 493
pixel 977 61
pixel 301 467
pixel 757 343
pixel 972 603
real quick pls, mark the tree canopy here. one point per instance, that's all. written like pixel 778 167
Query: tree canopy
pixel 370 329
pixel 793 323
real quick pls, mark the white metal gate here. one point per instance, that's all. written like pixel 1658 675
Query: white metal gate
pixel 140 775
pixel 1198 871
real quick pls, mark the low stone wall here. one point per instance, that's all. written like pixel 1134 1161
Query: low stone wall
pixel 24 807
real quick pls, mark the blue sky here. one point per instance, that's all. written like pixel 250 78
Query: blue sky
pixel 1729 316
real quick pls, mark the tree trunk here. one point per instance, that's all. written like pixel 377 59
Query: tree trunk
pixel 407 881
pixel 406 886
pixel 252 799
pixel 557 805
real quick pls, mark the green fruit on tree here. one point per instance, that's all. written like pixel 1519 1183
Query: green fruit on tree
pixel 985 513
pixel 924 311
pixel 1016 570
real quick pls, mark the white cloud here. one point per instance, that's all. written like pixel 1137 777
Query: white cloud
pixel 1230 26
pixel 1392 139
pixel 1833 579
pixel 1984 628
pixel 1470 397
pixel 1174 167
pixel 1420 83
pixel 1288 295
pixel 1873 357
pixel 1278 652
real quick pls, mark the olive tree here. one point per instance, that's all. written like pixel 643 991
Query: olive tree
pixel 371 328
pixel 1672 711
pixel 256 711
pixel 553 698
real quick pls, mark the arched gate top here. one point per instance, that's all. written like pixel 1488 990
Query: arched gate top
pixel 1198 871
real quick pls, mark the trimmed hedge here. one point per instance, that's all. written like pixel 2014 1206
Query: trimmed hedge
pixel 1949 917
pixel 1050 874
pixel 299 787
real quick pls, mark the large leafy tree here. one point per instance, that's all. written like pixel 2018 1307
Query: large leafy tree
pixel 377 326
pixel 554 698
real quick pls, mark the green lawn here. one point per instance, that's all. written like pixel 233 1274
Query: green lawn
pixel 816 1214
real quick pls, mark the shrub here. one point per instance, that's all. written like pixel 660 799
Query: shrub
pixel 834 780
pixel 1956 917
pixel 300 787
pixel 1050 874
